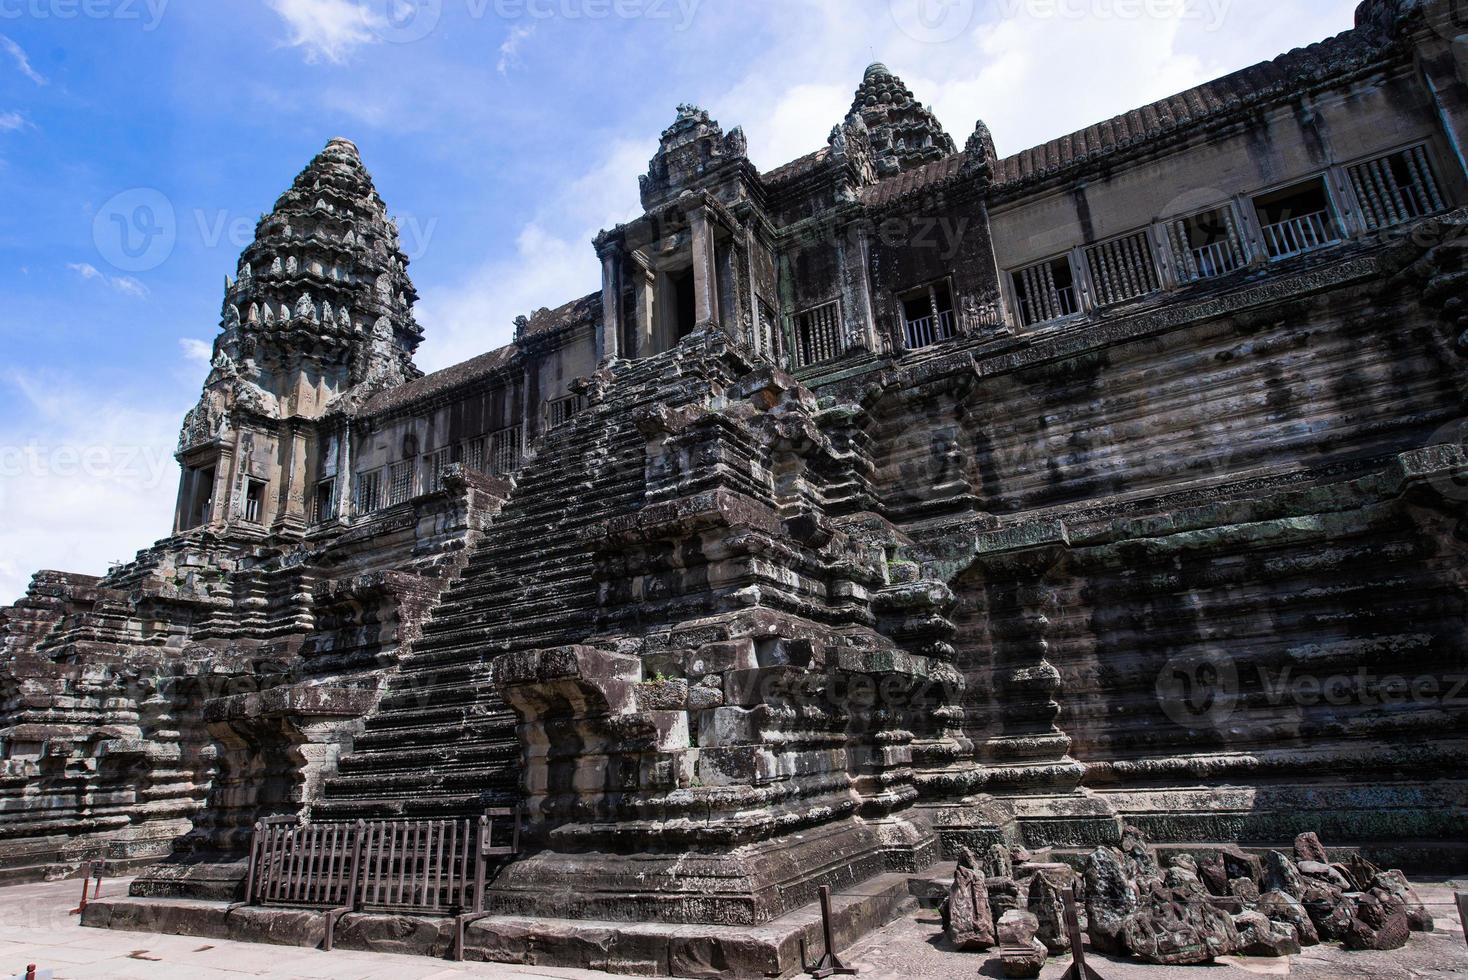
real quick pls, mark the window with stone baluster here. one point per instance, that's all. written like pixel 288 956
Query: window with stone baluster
pixel 1122 269
pixel 818 335
pixel 1396 188
pixel 1046 291
pixel 367 496
pixel 1298 219
pixel 434 465
pixel 928 316
pixel 504 452
pixel 399 482
pixel 1207 244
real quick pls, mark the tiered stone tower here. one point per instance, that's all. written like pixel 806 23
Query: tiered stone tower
pixel 319 318
pixel 905 133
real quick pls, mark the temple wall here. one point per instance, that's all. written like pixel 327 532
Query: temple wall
pixel 1312 382
pixel 1329 130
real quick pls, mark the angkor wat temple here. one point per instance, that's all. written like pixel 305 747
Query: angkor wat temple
pixel 902 498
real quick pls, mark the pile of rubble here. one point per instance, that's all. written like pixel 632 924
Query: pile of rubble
pixel 1227 903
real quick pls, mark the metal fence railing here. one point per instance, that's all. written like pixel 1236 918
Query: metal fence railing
pixel 425 867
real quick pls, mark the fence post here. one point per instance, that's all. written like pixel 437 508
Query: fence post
pixel 255 840
pixel 86 884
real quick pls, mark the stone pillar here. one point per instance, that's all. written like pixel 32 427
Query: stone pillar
pixel 222 501
pixel 344 472
pixel 705 273
pixel 609 337
pixel 644 281
pixel 292 498
pixel 861 325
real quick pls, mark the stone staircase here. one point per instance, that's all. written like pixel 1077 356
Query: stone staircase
pixel 442 742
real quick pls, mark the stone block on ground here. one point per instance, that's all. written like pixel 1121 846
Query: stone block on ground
pixel 970 921
pixel 1025 960
pixel 1214 875
pixel 1048 907
pixel 1021 953
pixel 1244 890
pixel 1261 936
pixel 1309 848
pixel 997 862
pixel 1172 929
pixel 1395 884
pixel 1282 875
pixel 1379 922
pixel 1004 896
pixel 1110 898
pixel 1284 908
pixel 1329 910
pixel 1323 872
pixel 1240 864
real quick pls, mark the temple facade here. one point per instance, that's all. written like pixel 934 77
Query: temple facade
pixel 903 498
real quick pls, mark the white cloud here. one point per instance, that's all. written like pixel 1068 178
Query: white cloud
pixel 86 478
pixel 510 49
pixel 11 121
pixel 553 263
pixel 126 285
pixel 195 350
pixel 17 53
pixel 328 29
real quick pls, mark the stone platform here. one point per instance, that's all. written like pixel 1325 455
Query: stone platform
pixel 652 949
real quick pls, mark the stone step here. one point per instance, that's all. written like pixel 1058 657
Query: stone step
pixel 446 757
pixel 422 781
pixel 389 738
pixel 415 804
pixel 644 949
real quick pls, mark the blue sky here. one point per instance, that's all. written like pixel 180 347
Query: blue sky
pixel 502 133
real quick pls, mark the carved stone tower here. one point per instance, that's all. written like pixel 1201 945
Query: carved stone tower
pixel 905 133
pixel 320 317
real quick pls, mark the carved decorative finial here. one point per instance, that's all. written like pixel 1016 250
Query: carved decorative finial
pixel 980 149
pixel 904 133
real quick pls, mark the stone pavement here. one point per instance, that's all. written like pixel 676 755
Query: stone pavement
pixel 35 928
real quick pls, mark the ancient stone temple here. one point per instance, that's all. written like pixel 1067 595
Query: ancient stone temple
pixel 902 499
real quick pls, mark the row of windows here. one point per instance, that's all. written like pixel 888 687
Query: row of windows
pixel 928 318
pixel 1389 190
pixel 498 454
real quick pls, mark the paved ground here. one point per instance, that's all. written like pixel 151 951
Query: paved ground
pixel 35 928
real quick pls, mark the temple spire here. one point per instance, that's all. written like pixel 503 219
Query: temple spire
pixel 327 267
pixel 904 133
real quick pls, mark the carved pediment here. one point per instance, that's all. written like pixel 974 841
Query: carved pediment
pixel 694 145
